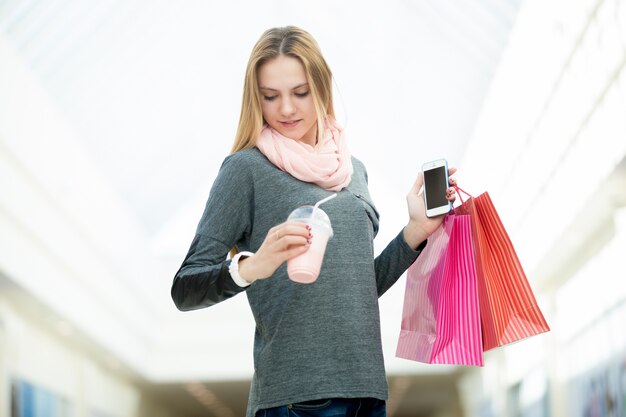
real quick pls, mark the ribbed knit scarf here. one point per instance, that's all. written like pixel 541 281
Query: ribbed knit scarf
pixel 328 164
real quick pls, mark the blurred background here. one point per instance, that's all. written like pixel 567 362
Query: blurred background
pixel 115 116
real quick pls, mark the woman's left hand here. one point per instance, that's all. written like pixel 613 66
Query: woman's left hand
pixel 421 227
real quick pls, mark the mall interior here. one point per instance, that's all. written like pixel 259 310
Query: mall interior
pixel 115 117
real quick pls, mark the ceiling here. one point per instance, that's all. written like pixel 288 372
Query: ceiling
pixel 153 88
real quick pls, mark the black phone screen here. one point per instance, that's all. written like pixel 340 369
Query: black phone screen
pixel 435 186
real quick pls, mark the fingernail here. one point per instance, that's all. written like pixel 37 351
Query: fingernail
pixel 308 241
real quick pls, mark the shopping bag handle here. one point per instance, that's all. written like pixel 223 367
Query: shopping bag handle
pixel 457 188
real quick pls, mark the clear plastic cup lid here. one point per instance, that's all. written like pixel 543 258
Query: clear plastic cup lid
pixel 319 219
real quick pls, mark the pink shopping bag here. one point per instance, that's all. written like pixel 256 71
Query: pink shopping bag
pixel 441 315
pixel 508 308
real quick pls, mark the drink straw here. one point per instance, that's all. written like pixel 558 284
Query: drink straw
pixel 322 201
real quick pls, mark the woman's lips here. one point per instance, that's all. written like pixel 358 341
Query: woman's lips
pixel 290 123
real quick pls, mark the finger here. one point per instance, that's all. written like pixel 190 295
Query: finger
pixel 272 233
pixel 419 182
pixel 451 172
pixel 277 235
pixel 293 252
pixel 288 241
pixel 451 194
pixel 294 228
pixel 286 229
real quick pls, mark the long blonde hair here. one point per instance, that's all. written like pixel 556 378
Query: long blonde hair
pixel 294 42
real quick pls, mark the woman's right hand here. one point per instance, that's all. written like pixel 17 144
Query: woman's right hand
pixel 283 242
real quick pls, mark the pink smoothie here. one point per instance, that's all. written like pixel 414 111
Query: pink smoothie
pixel 305 268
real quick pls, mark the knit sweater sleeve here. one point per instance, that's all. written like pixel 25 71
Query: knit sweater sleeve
pixel 396 258
pixel 203 278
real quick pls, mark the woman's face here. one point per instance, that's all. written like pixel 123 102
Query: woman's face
pixel 286 101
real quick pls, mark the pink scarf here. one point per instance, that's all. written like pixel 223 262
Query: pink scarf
pixel 328 164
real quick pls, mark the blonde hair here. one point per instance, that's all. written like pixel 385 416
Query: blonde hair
pixel 289 41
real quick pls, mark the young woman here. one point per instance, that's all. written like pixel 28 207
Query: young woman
pixel 317 347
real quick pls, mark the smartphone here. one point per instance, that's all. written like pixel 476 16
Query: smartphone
pixel 436 184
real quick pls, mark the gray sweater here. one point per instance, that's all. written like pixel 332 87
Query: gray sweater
pixel 312 341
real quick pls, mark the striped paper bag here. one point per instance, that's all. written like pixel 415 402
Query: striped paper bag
pixel 440 317
pixel 508 309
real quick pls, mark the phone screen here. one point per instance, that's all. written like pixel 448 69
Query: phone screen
pixel 436 186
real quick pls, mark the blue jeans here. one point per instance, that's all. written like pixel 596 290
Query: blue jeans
pixel 334 407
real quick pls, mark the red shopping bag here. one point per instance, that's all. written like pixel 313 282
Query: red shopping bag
pixel 508 309
pixel 440 318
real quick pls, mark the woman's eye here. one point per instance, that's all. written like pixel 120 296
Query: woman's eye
pixel 302 94
pixel 269 98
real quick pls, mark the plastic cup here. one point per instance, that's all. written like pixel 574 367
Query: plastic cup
pixel 305 267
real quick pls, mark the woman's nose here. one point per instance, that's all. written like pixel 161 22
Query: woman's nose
pixel 287 107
